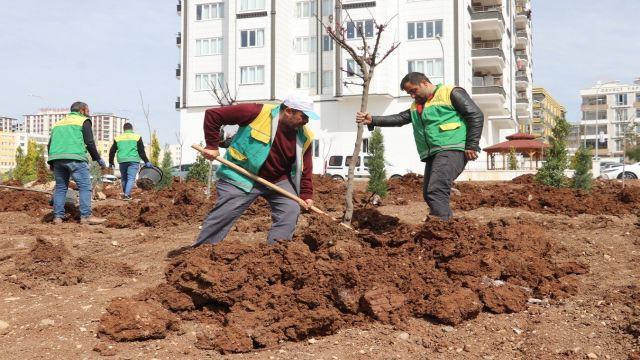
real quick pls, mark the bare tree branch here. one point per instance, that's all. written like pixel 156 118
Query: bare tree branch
pixel 145 111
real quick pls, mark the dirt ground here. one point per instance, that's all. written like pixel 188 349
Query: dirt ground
pixel 523 271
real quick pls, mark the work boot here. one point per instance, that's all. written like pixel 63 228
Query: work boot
pixel 127 197
pixel 92 220
pixel 57 221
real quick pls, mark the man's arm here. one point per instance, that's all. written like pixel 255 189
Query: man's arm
pixel 306 183
pixel 472 115
pixel 87 136
pixel 141 152
pixel 214 118
pixel 371 121
pixel 112 152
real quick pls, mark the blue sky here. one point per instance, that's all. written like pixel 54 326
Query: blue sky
pixel 105 52
pixel 100 52
pixel 578 42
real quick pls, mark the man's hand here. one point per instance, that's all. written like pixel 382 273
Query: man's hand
pixel 306 204
pixel 210 154
pixel 470 154
pixel 102 163
pixel 363 118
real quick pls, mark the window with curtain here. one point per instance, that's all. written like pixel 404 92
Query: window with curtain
pixel 210 11
pixel 305 9
pixel 355 28
pixel 252 38
pixel 252 74
pixel 424 29
pixel 206 81
pixel 305 44
pixel 211 46
pixel 246 5
pixel 432 68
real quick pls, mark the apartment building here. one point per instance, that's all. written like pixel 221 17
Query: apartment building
pixel 9 143
pixel 263 50
pixel 7 123
pixel 546 111
pixel 106 126
pixel 609 112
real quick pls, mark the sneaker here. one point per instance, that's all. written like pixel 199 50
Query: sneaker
pixel 92 220
pixel 57 221
pixel 127 197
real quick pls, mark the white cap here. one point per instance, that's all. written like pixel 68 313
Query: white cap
pixel 303 103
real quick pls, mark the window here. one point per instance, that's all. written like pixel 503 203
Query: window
pixel 252 74
pixel 621 99
pixel 433 68
pixel 305 44
pixel 210 11
pixel 424 29
pixel 251 5
pixel 212 46
pixel 335 160
pixel 316 148
pixel 327 79
pixel 621 115
pixel 356 28
pixel 347 161
pixel 252 38
pixel 327 7
pixel 305 9
pixel 637 97
pixel 327 43
pixel 637 113
pixel 353 68
pixel 365 149
pixel 305 80
pixel 206 81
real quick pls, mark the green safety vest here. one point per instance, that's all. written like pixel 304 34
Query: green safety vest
pixel 127 144
pixel 440 127
pixel 67 142
pixel 251 145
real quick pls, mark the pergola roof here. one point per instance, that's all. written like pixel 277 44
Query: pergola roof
pixel 522 143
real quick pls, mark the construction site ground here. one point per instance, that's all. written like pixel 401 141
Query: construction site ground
pixel 522 272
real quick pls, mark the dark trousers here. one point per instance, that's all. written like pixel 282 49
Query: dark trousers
pixel 440 170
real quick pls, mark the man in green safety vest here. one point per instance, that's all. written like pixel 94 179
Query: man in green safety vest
pixel 447 125
pixel 70 140
pixel 130 150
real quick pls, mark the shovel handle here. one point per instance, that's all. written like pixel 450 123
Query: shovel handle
pixel 262 181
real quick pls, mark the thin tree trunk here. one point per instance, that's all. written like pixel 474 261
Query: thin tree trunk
pixel 348 214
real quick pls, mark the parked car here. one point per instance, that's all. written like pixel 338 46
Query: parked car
pixel 606 165
pixel 338 167
pixel 631 171
pixel 182 171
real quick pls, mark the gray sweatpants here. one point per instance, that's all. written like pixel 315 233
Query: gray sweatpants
pixel 440 171
pixel 232 202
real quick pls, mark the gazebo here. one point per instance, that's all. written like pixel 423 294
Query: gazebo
pixel 521 143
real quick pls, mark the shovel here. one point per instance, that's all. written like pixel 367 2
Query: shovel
pixel 270 185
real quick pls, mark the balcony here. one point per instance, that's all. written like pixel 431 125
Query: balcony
pixel 489 60
pixel 178 71
pixel 489 94
pixel 178 103
pixel 179 7
pixel 487 21
pixel 523 16
pixel 522 80
pixel 179 39
pixel 522 39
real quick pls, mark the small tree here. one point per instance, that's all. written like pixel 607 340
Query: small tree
pixel 634 153
pixel 166 170
pixel 377 181
pixel 155 149
pixel 582 177
pixel 43 175
pixel 513 159
pixel 20 171
pixel 552 172
pixel 367 58
pixel 199 171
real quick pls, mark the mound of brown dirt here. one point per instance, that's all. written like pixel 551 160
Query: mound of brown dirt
pixel 51 262
pixel 405 188
pixel 145 184
pixel 32 203
pixel 329 278
pixel 136 320
pixel 524 179
pixel 606 198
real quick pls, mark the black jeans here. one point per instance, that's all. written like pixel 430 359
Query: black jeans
pixel 440 170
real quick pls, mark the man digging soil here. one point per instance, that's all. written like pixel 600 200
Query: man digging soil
pixel 273 142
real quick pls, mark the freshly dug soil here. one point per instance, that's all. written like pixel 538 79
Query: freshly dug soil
pixel 145 184
pixel 329 278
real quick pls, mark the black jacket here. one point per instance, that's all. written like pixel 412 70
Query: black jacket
pixel 464 105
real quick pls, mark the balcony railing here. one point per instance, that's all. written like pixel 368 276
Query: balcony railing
pixel 178 103
pixel 487 44
pixel 521 73
pixel 488 90
pixel 522 99
pixel 487 52
pixel 521 33
pixel 179 7
pixel 483 8
pixel 179 39
pixel 178 71
pixel 489 80
pixel 492 12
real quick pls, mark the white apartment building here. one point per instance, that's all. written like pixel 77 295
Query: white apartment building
pixel 264 50
pixel 609 110
pixel 7 123
pixel 106 126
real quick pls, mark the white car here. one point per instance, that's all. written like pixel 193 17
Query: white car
pixel 338 168
pixel 631 171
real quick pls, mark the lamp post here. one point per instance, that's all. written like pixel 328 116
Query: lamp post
pixel 439 38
